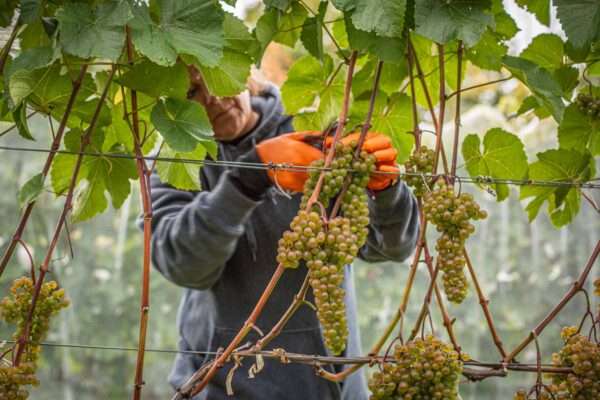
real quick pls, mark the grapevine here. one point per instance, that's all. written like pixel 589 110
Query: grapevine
pixel 451 215
pixel 327 245
pixel 15 310
pixel 425 369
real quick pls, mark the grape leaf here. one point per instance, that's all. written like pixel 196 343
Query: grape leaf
pixel 20 117
pixel 539 8
pixel 156 80
pixel 30 10
pixel 443 21
pixel 181 175
pixel 557 166
pixel 305 80
pixel 503 156
pixel 102 174
pixel 383 17
pixel 93 32
pixel 278 27
pixel 488 52
pixel 506 27
pixel 579 131
pixel 182 123
pixel 7 10
pixel 539 81
pixel 197 31
pixel 389 49
pixel 430 66
pixel 312 32
pixel 229 77
pixel 392 76
pixel 568 79
pixel 44 88
pixel 546 50
pixel 31 190
pixel 580 19
pixel 279 4
pixel 391 117
pixel 30 59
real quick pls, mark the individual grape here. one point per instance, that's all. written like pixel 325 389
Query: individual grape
pixel 583 356
pixel 597 286
pixel 15 310
pixel 420 162
pixel 452 216
pixel 425 369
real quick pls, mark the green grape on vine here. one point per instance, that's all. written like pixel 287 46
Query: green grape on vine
pixel 452 215
pixel 327 245
pixel 425 369
pixel 51 299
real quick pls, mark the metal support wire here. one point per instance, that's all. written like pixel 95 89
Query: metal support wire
pixel 304 358
pixel 480 180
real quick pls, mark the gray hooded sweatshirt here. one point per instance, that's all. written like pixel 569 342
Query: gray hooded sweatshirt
pixel 220 244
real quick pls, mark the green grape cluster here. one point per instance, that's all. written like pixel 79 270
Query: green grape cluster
pixel 452 216
pixel 15 310
pixel 588 105
pixel 425 369
pixel 421 162
pixel 326 246
pixel 583 355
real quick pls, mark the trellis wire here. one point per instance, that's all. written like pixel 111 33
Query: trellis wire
pixel 481 180
pixel 282 354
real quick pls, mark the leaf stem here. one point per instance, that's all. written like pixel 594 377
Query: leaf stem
pixel 459 90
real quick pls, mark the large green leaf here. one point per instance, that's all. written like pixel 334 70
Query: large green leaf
pixel 279 4
pixel 506 27
pixel 7 10
pixel 392 76
pixel 102 174
pixel 181 175
pixel 31 190
pixel 389 49
pixel 44 88
pixel 546 50
pixel 182 123
pixel 540 81
pixel 429 61
pixel 391 117
pixel 579 131
pixel 156 80
pixel 580 19
pixel 557 166
pixel 229 77
pixel 384 17
pixel 185 26
pixel 443 21
pixel 93 32
pixel 30 10
pixel 503 156
pixel 488 52
pixel 540 8
pixel 284 28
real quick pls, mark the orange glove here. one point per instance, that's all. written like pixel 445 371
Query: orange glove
pixel 289 149
pixel 381 147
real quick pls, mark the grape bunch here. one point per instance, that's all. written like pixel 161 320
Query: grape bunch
pixel 588 105
pixel 421 162
pixel 451 215
pixel 425 369
pixel 327 245
pixel 15 310
pixel 583 355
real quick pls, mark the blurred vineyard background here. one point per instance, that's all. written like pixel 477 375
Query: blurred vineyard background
pixel 524 268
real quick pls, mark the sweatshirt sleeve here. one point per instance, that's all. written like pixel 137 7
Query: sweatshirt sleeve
pixel 394 225
pixel 195 233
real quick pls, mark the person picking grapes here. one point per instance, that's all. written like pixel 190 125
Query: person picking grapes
pixel 222 245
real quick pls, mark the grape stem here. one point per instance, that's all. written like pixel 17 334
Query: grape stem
pixel 459 53
pixel 54 147
pixel 8 45
pixel 66 208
